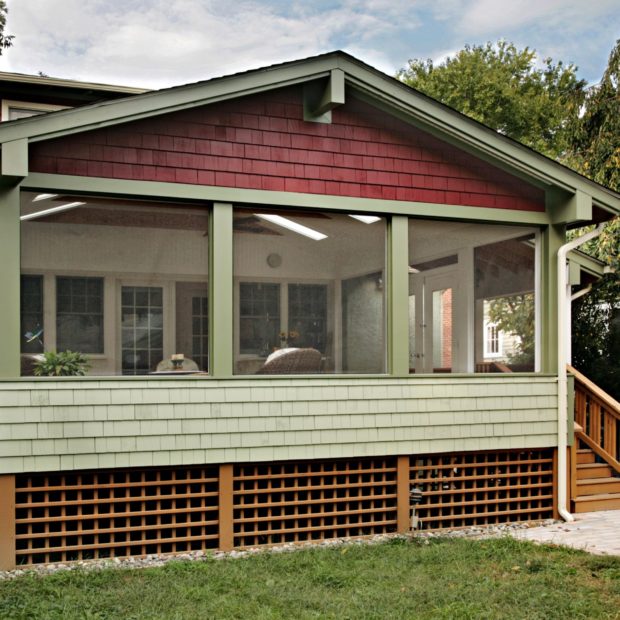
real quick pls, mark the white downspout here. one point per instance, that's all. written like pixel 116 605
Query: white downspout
pixel 563 336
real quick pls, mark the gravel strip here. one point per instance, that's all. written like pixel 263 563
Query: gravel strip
pixel 491 531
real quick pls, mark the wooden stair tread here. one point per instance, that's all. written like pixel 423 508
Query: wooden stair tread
pixel 595 503
pixel 598 496
pixel 598 480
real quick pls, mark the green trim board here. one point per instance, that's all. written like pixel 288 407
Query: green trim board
pixel 15 159
pixel 320 99
pixel 221 290
pixel 63 425
pixel 206 193
pixel 358 75
pixel 10 327
pixel 398 295
pixel 552 238
pixel 588 264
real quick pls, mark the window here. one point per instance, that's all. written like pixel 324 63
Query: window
pixel 142 329
pixel 307 315
pixel 79 314
pixel 126 281
pixel 31 314
pixel 493 340
pixel 309 292
pixel 259 318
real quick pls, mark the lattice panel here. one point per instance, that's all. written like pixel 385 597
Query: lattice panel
pixel 483 488
pixel 84 515
pixel 313 500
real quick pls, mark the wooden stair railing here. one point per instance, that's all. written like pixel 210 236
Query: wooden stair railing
pixel 597 419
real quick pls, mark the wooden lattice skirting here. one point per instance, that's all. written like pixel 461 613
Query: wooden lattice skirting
pixel 68 516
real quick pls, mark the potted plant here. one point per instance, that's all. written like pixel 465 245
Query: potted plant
pixel 61 364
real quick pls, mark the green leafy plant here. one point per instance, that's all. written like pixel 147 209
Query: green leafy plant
pixel 61 364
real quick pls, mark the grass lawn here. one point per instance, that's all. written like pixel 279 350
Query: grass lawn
pixel 444 578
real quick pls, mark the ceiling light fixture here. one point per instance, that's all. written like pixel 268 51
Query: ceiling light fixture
pixel 37 214
pixel 367 219
pixel 44 197
pixel 294 226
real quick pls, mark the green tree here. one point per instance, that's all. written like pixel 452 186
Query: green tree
pixel 595 149
pixel 502 87
pixel 596 153
pixel 549 109
pixel 515 315
pixel 5 40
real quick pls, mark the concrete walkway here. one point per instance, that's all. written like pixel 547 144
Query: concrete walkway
pixel 595 532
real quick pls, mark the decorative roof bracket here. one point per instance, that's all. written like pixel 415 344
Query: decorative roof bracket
pixel 320 98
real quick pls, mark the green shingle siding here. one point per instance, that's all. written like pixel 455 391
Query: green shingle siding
pixel 68 425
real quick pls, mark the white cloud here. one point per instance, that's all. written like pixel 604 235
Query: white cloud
pixel 157 43
pixel 484 17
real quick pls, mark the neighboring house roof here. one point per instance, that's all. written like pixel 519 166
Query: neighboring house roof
pixel 368 83
pixel 45 89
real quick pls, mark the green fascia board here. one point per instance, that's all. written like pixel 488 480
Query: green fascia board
pixel 358 76
pixel 206 193
pixel 107 113
pixel 587 264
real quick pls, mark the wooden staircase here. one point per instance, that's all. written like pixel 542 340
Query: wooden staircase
pixel 595 455
pixel 597 488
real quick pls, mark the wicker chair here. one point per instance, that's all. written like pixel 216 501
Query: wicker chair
pixel 292 362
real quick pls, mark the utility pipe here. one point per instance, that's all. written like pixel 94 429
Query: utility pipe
pixel 563 334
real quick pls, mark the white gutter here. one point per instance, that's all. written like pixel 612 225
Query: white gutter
pixel 563 337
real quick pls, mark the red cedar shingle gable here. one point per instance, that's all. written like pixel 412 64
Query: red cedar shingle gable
pixel 262 142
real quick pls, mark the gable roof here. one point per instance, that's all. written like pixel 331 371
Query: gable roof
pixel 365 81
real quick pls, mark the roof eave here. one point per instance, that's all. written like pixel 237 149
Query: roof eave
pixel 364 79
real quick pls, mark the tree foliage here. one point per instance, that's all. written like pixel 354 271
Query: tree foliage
pixel 596 335
pixel 548 108
pixel 596 154
pixel 5 40
pixel 595 149
pixel 515 315
pixel 502 87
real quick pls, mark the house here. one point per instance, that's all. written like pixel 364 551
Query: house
pixel 22 96
pixel 282 280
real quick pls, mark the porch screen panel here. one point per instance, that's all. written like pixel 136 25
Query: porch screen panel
pixel 121 281
pixel 309 292
pixel 506 305
pixel 472 297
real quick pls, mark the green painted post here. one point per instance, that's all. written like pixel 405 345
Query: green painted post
pixel 221 290
pixel 9 282
pixel 553 237
pixel 398 296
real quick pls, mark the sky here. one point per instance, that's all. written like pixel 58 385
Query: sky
pixel 159 43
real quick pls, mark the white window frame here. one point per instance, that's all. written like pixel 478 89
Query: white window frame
pixel 43 108
pixel 488 354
